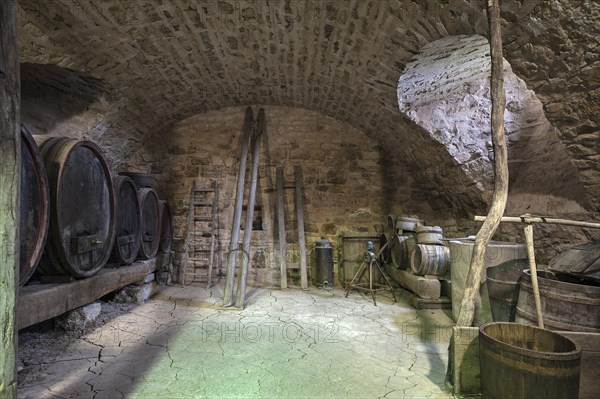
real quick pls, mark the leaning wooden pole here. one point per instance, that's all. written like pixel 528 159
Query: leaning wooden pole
pixel 10 170
pixel 243 277
pixel 237 214
pixel 281 226
pixel 467 306
pixel 299 191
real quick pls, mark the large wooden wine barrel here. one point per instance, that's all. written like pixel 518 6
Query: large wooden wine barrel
pixel 150 238
pixel 166 227
pixel 429 259
pixel 34 209
pixel 82 207
pixel 128 223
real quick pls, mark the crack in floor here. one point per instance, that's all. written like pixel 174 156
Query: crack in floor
pixel 325 336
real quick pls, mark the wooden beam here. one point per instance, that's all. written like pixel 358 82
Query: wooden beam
pixel 539 219
pixel 44 301
pixel 300 216
pixel 10 179
pixel 237 213
pixel 281 226
pixel 243 277
pixel 500 195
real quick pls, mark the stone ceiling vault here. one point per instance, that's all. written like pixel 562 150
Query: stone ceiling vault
pixel 167 60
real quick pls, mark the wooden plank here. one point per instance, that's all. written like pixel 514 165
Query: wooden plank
pixel 237 213
pixel 243 277
pixel 281 226
pixel 538 219
pixel 10 170
pixel 40 302
pixel 589 380
pixel 300 216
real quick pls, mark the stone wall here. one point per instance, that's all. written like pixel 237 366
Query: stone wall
pixel 446 90
pixel 351 183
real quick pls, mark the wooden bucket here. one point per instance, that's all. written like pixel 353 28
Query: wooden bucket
pixel 405 223
pixel 166 227
pixel 34 207
pixel 566 305
pixel 150 227
pixel 128 223
pixel 503 288
pixel 519 361
pixel 431 235
pixel 82 207
pixel 429 259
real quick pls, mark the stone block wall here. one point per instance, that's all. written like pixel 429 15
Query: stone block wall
pixel 350 182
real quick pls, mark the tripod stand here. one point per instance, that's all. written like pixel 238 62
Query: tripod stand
pixel 370 262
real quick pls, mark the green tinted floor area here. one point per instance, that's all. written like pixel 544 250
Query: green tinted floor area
pixel 284 344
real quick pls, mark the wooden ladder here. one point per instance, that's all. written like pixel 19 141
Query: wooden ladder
pixel 298 187
pixel 202 235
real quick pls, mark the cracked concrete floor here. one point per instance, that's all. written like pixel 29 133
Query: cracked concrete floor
pixel 285 344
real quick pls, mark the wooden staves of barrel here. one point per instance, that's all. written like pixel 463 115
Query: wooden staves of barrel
pixel 166 227
pixel 150 238
pixel 429 259
pixel 128 223
pixel 82 207
pixel 520 361
pixel 567 303
pixel 142 180
pixel 34 208
pixel 431 235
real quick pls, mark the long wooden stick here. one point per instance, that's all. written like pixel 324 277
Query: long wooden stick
pixel 10 171
pixel 300 217
pixel 539 219
pixel 281 226
pixel 467 306
pixel 237 215
pixel 533 271
pixel 243 277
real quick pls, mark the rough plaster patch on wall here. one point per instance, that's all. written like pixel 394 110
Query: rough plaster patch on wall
pixel 445 89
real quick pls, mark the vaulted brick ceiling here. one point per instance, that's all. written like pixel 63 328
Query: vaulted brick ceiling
pixel 166 60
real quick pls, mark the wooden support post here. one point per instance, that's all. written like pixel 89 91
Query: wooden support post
pixel 533 270
pixel 467 306
pixel 243 277
pixel 300 216
pixel 237 215
pixel 281 226
pixel 10 171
